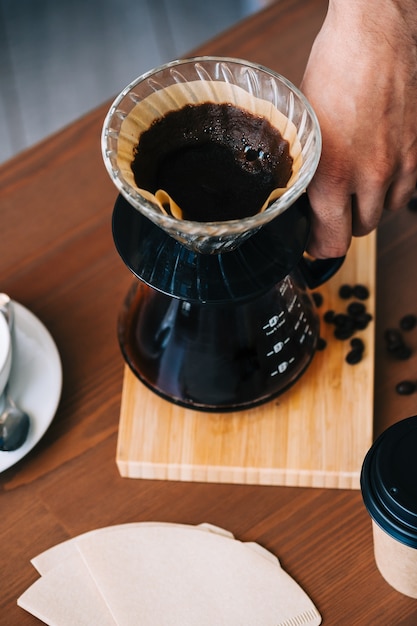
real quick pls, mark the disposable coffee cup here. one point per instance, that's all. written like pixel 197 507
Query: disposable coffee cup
pixel 389 491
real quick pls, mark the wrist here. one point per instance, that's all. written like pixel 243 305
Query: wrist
pixel 395 20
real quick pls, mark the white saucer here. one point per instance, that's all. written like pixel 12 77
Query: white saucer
pixel 35 380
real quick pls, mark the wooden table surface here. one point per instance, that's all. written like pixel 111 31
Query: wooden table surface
pixel 58 260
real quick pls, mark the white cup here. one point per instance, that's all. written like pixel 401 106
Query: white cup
pixel 5 353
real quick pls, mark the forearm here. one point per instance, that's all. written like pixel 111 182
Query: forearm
pixel 395 17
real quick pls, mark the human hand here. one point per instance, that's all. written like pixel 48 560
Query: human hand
pixel 361 79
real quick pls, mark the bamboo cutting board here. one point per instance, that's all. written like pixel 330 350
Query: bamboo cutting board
pixel 315 434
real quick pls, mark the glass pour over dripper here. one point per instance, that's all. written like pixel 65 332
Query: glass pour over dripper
pixel 216 80
pixel 221 318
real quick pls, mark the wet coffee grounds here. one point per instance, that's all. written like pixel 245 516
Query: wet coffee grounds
pixel 217 161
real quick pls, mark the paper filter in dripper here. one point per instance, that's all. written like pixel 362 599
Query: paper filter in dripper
pixel 209 117
pixel 246 144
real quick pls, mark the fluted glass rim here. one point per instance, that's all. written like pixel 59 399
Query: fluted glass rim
pixel 217 229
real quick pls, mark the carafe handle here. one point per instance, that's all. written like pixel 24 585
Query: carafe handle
pixel 317 271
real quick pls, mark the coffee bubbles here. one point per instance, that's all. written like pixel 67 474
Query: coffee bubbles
pixel 215 161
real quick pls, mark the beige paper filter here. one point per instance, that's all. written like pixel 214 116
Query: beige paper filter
pixel 171 574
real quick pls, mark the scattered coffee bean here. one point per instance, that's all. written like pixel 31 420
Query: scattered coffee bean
pixel 357 344
pixel 321 343
pixel 341 320
pixel 355 318
pixel 396 345
pixel 328 317
pixel 318 298
pixel 345 292
pixel 393 338
pixel 392 348
pixel 343 333
pixel 344 326
pixel 406 387
pixel 361 292
pixel 356 308
pixel 362 321
pixel 403 353
pixel 354 356
pixel 408 322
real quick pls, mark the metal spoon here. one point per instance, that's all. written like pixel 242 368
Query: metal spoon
pixel 14 423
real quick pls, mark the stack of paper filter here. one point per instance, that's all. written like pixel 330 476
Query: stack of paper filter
pixel 156 574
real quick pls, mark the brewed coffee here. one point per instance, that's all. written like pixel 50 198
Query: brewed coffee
pixel 219 357
pixel 216 161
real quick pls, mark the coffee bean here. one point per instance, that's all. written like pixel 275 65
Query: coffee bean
pixel 345 292
pixel 408 322
pixel 396 345
pixel 354 356
pixel 321 343
pixel 341 320
pixel 362 321
pixel 328 317
pixel 318 298
pixel 361 292
pixel 357 344
pixel 393 338
pixel 403 353
pixel 356 308
pixel 406 387
pixel 343 333
pixel 392 348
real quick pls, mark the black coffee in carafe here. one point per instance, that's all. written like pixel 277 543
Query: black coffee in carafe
pixel 219 356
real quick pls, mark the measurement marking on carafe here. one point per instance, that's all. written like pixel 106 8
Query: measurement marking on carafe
pixel 277 347
pixel 282 367
pixel 302 318
pixel 306 333
pixel 294 302
pixel 274 322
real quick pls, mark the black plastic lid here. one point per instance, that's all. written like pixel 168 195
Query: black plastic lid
pixel 389 481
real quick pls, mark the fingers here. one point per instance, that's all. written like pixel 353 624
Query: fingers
pixel 367 207
pixel 331 223
pixel 337 216
pixel 400 192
